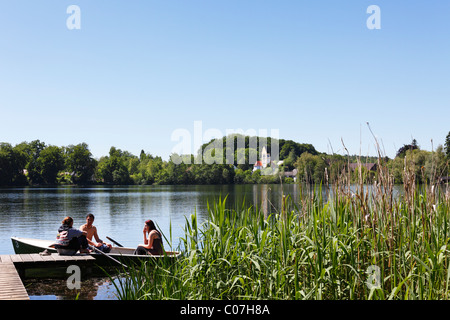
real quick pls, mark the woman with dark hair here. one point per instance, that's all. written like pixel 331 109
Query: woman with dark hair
pixel 152 241
pixel 70 240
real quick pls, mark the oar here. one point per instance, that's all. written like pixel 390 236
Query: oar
pixel 117 261
pixel 115 242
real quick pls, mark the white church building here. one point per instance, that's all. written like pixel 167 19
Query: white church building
pixel 264 162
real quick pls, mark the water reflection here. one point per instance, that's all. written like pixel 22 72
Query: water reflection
pixel 56 289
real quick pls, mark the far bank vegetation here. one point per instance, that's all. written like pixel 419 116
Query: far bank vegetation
pixel 36 163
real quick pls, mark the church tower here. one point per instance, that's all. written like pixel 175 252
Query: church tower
pixel 265 157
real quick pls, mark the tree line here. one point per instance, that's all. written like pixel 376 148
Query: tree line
pixel 36 163
pixel 425 166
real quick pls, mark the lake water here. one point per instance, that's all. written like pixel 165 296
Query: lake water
pixel 120 213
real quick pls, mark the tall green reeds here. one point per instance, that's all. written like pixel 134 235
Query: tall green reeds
pixel 340 242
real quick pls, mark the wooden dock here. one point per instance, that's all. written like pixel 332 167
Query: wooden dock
pixel 11 286
pixel 12 266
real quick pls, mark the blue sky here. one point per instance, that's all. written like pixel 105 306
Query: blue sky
pixel 138 70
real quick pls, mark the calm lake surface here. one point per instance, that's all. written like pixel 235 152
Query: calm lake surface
pixel 120 213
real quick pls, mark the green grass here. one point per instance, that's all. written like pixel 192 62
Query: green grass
pixel 320 248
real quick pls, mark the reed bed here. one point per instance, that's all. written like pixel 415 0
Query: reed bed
pixel 343 241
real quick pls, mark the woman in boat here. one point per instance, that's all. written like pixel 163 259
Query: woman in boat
pixel 71 239
pixel 152 241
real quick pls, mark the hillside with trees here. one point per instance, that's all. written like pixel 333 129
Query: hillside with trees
pixel 222 161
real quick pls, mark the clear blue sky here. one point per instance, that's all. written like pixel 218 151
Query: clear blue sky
pixel 138 70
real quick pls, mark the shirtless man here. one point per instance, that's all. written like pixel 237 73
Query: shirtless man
pixel 91 231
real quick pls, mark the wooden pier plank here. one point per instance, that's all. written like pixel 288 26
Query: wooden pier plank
pixel 5 258
pixel 37 257
pixel 26 258
pixel 11 286
pixel 57 257
pixel 16 258
pixel 47 258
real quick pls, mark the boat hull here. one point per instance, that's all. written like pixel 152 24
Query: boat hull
pixel 24 245
pixel 121 254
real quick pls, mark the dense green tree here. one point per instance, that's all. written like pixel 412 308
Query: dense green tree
pixel 113 169
pixel 288 146
pixel 255 177
pixel 149 170
pixel 212 174
pixel 447 146
pixel 239 176
pixel 420 165
pixel 311 168
pixel 175 173
pixel 33 150
pixel 290 160
pixel 12 165
pixel 336 166
pixel 49 163
pixel 79 163
pixel 133 165
pixel 227 175
pixel 243 157
pixel 402 151
pixel 247 148
pixel 436 164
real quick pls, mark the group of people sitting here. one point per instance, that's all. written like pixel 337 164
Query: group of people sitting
pixel 70 240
